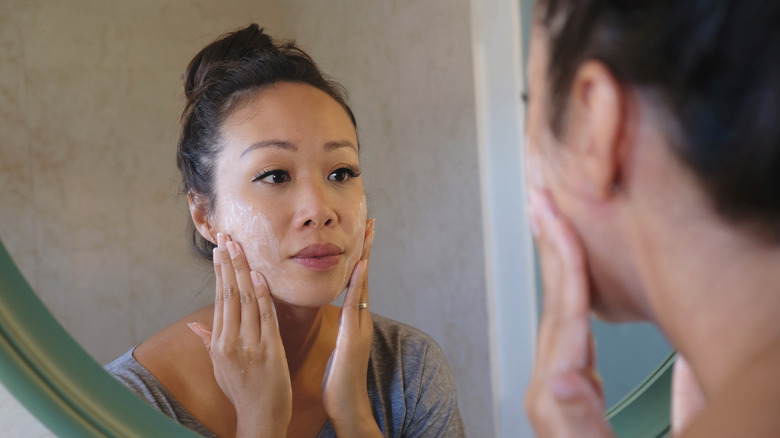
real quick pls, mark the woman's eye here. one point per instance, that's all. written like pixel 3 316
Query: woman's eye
pixel 273 177
pixel 343 174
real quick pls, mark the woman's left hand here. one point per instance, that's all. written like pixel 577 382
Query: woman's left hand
pixel 344 386
pixel 564 397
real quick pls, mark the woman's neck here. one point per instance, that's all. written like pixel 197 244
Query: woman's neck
pixel 711 287
pixel 300 328
pixel 715 292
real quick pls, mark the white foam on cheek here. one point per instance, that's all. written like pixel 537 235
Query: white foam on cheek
pixel 254 232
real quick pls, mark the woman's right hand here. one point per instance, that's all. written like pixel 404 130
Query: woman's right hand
pixel 245 346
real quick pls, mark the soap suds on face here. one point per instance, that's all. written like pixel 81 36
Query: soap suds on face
pixel 254 232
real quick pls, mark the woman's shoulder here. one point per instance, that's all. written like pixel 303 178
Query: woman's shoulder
pixel 747 406
pixel 391 332
pixel 177 358
pixel 176 348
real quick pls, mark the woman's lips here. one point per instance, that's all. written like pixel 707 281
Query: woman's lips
pixel 319 256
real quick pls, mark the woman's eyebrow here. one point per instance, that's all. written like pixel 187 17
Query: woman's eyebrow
pixel 331 145
pixel 281 144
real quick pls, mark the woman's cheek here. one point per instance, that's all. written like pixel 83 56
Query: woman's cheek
pixel 255 233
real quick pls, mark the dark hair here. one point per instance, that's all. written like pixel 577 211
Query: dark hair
pixel 218 80
pixel 715 69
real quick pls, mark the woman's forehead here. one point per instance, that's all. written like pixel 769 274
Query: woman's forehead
pixel 289 115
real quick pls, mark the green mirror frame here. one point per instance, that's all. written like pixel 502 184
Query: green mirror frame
pixel 70 393
pixel 57 380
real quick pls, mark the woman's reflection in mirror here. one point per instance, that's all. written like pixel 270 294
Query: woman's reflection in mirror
pixel 269 155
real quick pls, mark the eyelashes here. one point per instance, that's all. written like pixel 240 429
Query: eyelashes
pixel 343 173
pixel 272 176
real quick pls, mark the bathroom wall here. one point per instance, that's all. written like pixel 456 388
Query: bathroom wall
pixel 89 102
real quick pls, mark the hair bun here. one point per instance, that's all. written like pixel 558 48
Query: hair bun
pixel 228 48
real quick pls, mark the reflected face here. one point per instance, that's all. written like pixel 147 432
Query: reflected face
pixel 288 189
pixel 551 165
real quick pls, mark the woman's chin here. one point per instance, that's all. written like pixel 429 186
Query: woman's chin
pixel 307 299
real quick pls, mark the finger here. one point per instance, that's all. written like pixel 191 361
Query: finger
pixel 203 332
pixel 217 323
pixel 250 319
pixel 564 343
pixel 363 278
pixel 269 326
pixel 231 306
pixel 562 258
pixel 579 404
pixel 350 311
pixel 565 327
pixel 327 375
pixel 368 239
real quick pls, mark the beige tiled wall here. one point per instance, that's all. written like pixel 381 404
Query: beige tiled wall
pixel 89 102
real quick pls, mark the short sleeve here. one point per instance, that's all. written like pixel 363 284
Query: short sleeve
pixel 435 411
pixel 411 387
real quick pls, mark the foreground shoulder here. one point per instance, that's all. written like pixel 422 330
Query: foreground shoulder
pixel 747 407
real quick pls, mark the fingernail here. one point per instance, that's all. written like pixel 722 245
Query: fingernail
pixel 258 279
pixel 232 249
pixel 215 256
pixel 191 325
pixel 221 240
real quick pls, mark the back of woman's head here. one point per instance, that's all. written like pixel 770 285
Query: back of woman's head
pixel 712 65
pixel 220 78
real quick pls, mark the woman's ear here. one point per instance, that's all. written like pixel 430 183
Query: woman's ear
pixel 597 118
pixel 199 212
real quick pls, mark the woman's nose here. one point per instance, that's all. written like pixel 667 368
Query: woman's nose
pixel 314 207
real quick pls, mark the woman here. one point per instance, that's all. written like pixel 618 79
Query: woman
pixel 269 157
pixel 654 153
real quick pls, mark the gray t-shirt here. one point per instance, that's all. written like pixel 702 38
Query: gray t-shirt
pixel 410 386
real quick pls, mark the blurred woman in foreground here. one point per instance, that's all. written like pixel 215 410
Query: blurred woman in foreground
pixel 654 174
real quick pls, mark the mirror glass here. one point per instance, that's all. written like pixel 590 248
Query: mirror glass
pixel 90 98
pixel 90 95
